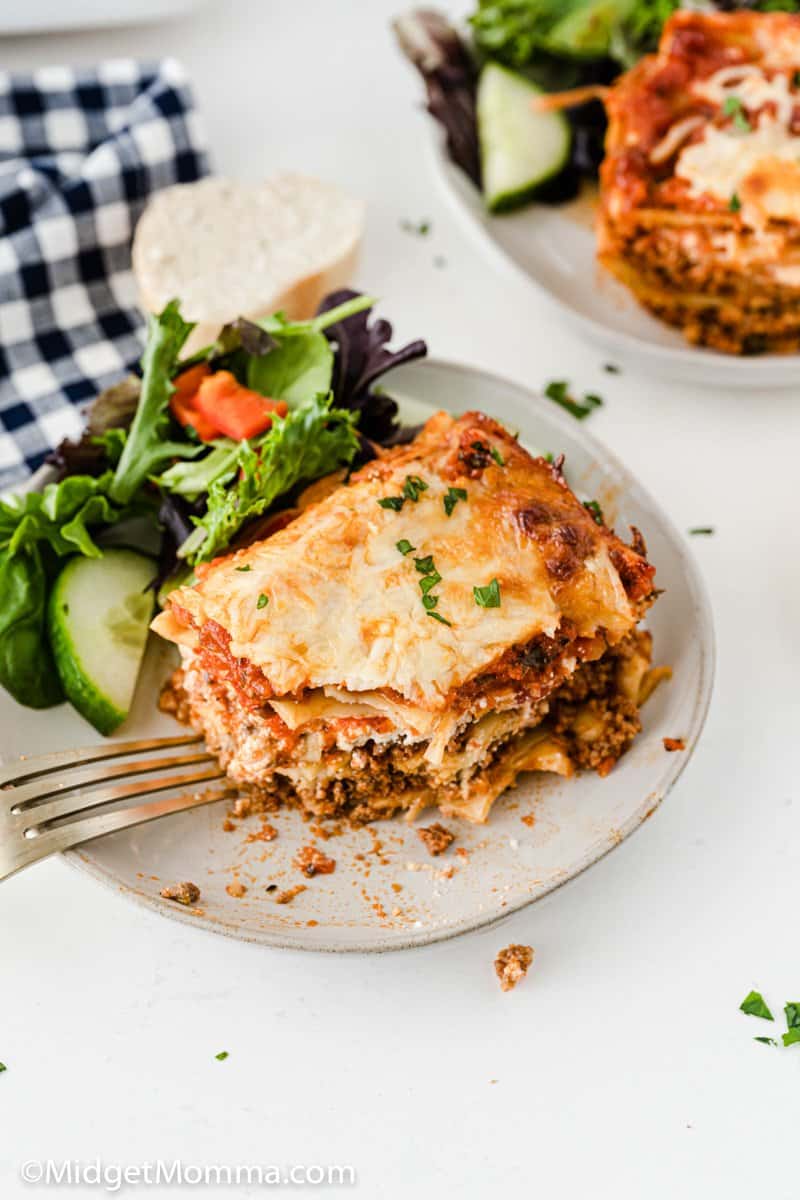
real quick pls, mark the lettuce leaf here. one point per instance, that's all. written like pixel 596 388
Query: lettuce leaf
pixel 309 442
pixel 147 445
pixel 36 530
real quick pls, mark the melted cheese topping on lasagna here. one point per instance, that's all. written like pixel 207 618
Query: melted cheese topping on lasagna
pixel 760 165
pixel 344 605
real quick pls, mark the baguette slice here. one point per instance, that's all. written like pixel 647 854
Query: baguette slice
pixel 227 249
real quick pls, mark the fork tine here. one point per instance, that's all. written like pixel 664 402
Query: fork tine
pixel 40 815
pixel 99 824
pixel 63 759
pixel 27 795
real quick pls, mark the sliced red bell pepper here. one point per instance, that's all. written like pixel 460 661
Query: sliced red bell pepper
pixel 234 409
pixel 182 406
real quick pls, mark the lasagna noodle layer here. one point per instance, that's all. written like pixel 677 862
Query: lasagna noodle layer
pixel 335 764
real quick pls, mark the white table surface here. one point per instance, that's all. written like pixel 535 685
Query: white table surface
pixel 621 1067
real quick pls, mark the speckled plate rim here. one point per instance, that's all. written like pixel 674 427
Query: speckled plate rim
pixel 287 939
pixel 690 363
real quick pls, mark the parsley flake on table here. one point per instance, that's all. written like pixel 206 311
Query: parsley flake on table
pixel 766 1041
pixel 792 1011
pixel 755 1005
pixel 452 498
pixel 3 1067
pixel 558 391
pixel 262 601
pixel 489 596
pixel 420 228
pixel 702 531
pixel 791 1037
pixel 223 1054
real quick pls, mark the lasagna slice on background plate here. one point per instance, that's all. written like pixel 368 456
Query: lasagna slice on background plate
pixel 700 186
pixel 448 618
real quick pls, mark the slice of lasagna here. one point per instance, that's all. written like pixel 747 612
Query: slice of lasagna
pixel 450 617
pixel 700 187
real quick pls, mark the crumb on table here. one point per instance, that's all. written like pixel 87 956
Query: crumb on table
pixel 236 889
pixel 674 744
pixel 512 965
pixel 313 862
pixel 182 893
pixel 436 838
pixel 288 896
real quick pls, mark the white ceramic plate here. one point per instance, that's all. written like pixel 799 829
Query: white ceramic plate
pixel 386 892
pixel 554 248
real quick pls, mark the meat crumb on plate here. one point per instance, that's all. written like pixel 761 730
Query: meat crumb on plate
pixel 674 744
pixel 512 965
pixel 436 838
pixel 313 862
pixel 182 893
pixel 288 896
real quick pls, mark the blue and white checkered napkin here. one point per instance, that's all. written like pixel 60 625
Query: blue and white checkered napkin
pixel 80 152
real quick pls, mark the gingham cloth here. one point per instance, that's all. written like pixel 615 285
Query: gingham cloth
pixel 80 152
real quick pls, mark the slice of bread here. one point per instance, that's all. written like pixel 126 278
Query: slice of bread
pixel 227 249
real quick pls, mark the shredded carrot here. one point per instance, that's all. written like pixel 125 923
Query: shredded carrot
pixel 572 98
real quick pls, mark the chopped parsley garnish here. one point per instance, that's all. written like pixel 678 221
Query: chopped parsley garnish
pixel 497 456
pixel 413 487
pixel 594 508
pixel 420 228
pixel 429 582
pixel 452 498
pixel 3 1067
pixel 791 1037
pixel 557 390
pixel 430 578
pixel 766 1041
pixel 612 368
pixel 404 546
pixel 438 617
pixel 262 601
pixel 223 1054
pixel 734 108
pixel 735 204
pixel 702 531
pixel 395 503
pixel 792 1011
pixel 755 1005
pixel 246 567
pixel 489 596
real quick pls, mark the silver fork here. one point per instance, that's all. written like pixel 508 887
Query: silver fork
pixel 48 804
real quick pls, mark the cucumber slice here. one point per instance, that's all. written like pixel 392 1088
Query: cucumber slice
pixel 589 30
pixel 98 616
pixel 520 149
